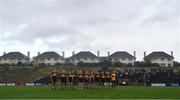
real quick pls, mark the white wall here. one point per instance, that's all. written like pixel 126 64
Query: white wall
pixel 165 61
pixel 88 60
pixel 12 61
pixel 124 61
pixel 50 61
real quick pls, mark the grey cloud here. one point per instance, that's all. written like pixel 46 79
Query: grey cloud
pixel 167 13
pixel 91 24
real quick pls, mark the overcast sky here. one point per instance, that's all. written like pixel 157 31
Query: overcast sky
pixel 76 25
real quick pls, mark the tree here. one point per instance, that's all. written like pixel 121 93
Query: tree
pixel 57 64
pixel 139 64
pixel 104 68
pixel 148 61
pixel 176 64
pixel 20 63
pixel 80 64
pixel 129 65
pixel 119 64
pixel 42 64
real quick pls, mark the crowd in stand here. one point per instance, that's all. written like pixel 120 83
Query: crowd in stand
pixel 141 76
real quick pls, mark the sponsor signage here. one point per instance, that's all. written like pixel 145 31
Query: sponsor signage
pixel 2 84
pixel 158 84
pixel 29 84
pixel 38 84
pixel 11 84
pixel 175 84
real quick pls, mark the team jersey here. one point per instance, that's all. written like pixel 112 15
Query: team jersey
pixel 80 75
pixel 113 77
pixel 97 75
pixel 108 76
pixel 53 74
pixel 103 76
pixel 62 75
pixel 73 75
pixel 86 76
pixel 92 76
pixel 70 75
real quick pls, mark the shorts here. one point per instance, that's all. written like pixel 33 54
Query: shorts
pixel 70 79
pixel 97 79
pixel 54 79
pixel 92 80
pixel 63 80
pixel 75 80
pixel 80 80
pixel 108 79
pixel 103 80
pixel 86 80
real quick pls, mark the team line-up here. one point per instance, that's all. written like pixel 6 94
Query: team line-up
pixel 83 79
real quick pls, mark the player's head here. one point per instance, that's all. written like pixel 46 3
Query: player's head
pixel 54 70
pixel 113 72
pixel 63 71
pixel 86 72
pixel 107 72
pixel 73 71
pixel 102 73
pixel 92 72
pixel 80 72
pixel 69 71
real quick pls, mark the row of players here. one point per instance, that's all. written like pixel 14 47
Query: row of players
pixel 85 79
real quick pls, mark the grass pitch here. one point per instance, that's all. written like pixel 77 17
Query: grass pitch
pixel 134 92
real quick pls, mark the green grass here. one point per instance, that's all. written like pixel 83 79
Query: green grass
pixel 118 93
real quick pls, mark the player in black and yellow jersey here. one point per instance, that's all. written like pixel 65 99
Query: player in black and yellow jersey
pixel 63 79
pixel 97 79
pixel 70 79
pixel 108 79
pixel 54 80
pixel 103 79
pixel 86 80
pixel 54 77
pixel 113 79
pixel 73 78
pixel 80 78
pixel 92 75
pixel 76 78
